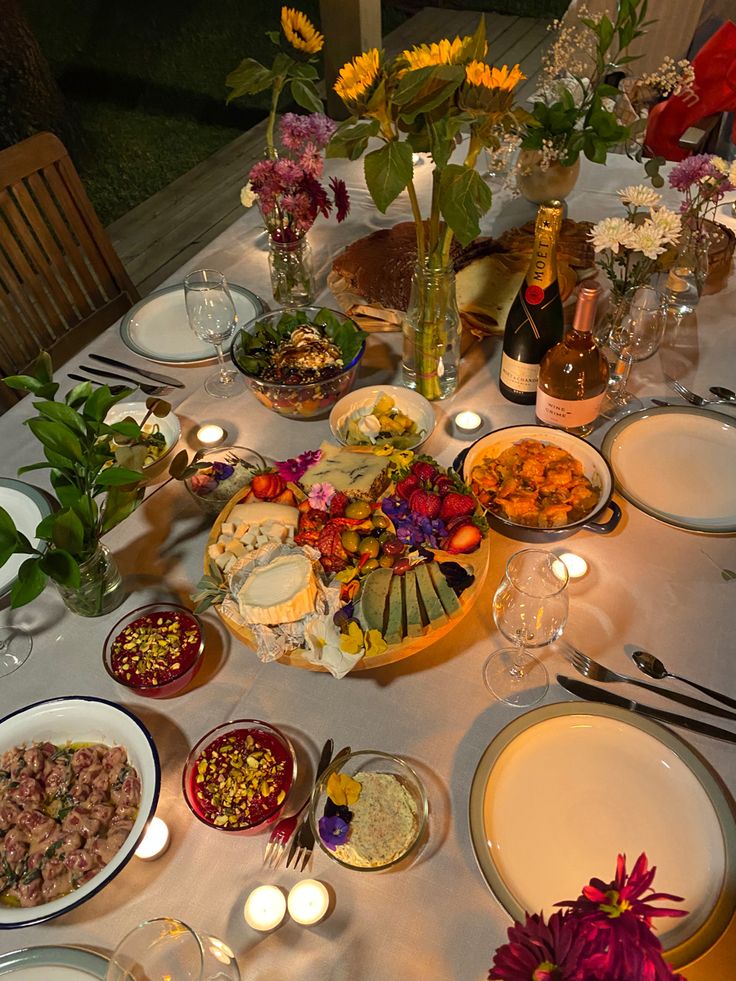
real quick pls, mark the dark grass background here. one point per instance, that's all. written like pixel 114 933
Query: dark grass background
pixel 145 79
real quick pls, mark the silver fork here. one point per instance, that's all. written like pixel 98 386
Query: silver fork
pixel 677 386
pixel 146 389
pixel 591 669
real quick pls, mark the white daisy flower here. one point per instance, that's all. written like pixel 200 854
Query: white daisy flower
pixel 649 240
pixel 640 196
pixel 248 197
pixel 732 173
pixel 668 222
pixel 611 233
pixel 720 165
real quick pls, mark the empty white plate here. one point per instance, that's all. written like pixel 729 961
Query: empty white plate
pixel 26 505
pixel 53 964
pixel 677 463
pixel 157 328
pixel 563 790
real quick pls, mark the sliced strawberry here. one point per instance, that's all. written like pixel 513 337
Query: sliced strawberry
pixel 424 471
pixel 461 519
pixel 425 503
pixel 267 485
pixel 443 485
pixel 338 503
pixel 407 486
pixel 466 538
pixel 285 497
pixel 454 504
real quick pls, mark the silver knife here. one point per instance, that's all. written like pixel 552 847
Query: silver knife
pixel 594 694
pixel 153 375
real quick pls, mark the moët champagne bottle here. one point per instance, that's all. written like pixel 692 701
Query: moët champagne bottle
pixel 534 323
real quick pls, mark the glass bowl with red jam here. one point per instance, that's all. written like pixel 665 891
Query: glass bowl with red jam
pixel 156 650
pixel 238 776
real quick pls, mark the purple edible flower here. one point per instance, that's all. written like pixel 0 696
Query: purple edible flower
pixel 294 468
pixel 333 831
pixel 221 471
pixel 342 617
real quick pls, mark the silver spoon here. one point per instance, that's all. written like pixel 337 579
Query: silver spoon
pixel 650 665
pixel 723 393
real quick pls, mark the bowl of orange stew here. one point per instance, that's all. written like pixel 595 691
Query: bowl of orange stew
pixel 538 484
pixel 156 650
pixel 238 776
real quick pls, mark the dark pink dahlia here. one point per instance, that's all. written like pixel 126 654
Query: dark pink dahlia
pixel 539 951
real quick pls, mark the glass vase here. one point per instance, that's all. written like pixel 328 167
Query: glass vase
pixel 689 271
pixel 432 332
pixel 292 272
pixel 100 587
pixel 539 184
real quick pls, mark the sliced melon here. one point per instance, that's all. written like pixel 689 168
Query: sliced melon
pixel 411 605
pixel 430 600
pixel 395 620
pixel 446 593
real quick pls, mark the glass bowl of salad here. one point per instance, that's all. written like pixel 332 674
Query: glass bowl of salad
pixel 226 470
pixel 156 650
pixel 299 362
pixel 237 778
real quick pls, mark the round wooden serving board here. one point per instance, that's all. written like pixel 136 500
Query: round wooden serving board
pixel 478 561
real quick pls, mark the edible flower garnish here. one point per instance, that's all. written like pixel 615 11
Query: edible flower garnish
pixel 320 496
pixel 352 640
pixel 333 831
pixel 342 789
pixel 374 643
pixel 293 469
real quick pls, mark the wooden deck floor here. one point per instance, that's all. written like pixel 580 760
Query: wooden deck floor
pixel 162 233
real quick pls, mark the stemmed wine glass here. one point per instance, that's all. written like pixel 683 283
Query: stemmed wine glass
pixel 212 317
pixel 635 338
pixel 15 646
pixel 168 948
pixel 530 610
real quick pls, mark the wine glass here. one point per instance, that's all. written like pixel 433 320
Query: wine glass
pixel 15 646
pixel 168 948
pixel 212 317
pixel 530 609
pixel 635 338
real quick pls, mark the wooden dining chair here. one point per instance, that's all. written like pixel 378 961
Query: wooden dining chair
pixel 61 281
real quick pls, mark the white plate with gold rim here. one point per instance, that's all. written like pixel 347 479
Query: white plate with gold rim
pixel 677 463
pixel 564 789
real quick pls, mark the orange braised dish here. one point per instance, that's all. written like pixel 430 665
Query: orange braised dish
pixel 536 484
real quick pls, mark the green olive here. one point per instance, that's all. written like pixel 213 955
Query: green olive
pixel 369 546
pixel 358 509
pixel 380 520
pixel 386 561
pixel 370 565
pixel 350 540
pixel 385 536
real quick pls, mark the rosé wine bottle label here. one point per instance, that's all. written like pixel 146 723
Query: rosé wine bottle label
pixel 567 414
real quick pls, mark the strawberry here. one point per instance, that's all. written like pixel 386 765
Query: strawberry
pixel 407 486
pixel 424 471
pixel 267 485
pixel 454 504
pixel 338 503
pixel 443 485
pixel 425 503
pixel 466 538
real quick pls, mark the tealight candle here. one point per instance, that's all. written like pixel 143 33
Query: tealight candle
pixel 155 840
pixel 308 902
pixel 265 908
pixel 576 564
pixel 468 421
pixel 210 434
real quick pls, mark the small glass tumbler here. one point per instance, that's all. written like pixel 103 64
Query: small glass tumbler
pixel 168 948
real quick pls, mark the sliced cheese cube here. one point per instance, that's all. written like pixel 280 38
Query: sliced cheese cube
pixel 217 548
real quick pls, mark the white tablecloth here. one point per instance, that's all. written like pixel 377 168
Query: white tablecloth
pixel 649 585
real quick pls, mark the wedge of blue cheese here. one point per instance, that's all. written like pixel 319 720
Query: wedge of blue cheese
pixel 358 474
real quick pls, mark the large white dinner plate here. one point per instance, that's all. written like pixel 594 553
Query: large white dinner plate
pixel 53 964
pixel 157 327
pixel 677 463
pixel 564 789
pixel 26 505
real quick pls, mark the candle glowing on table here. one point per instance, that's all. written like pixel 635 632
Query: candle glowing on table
pixel 210 434
pixel 155 840
pixel 308 902
pixel 576 565
pixel 265 908
pixel 468 421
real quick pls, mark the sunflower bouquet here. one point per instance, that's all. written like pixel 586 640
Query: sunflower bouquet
pixel 421 102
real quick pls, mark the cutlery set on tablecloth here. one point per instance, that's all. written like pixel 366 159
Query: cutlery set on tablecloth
pixel 654 668
pixel 165 383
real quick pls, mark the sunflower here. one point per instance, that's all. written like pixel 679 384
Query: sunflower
pixel 478 73
pixel 356 78
pixel 300 32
